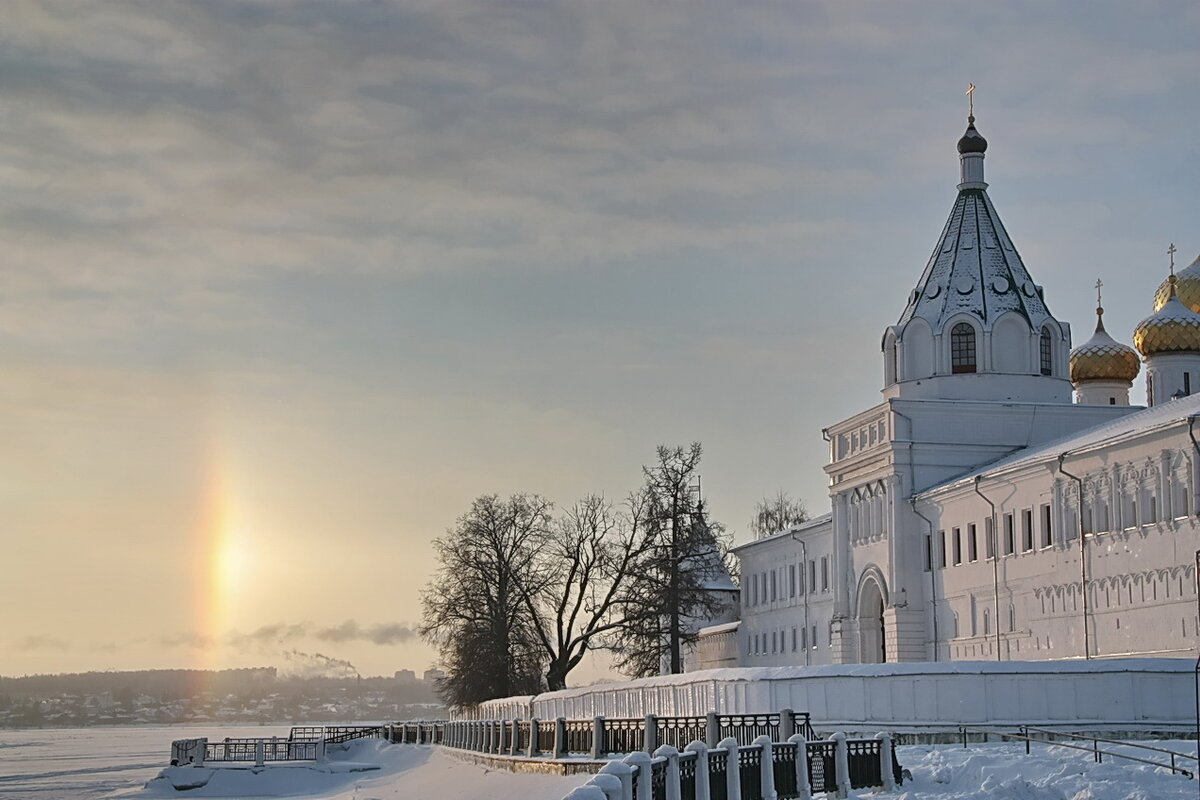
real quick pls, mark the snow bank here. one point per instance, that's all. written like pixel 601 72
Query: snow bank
pixel 363 768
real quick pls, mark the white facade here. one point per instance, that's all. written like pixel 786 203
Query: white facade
pixel 973 505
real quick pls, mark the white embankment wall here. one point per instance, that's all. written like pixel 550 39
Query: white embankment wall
pixel 1141 692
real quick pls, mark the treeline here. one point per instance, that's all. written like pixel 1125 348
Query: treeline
pixel 524 591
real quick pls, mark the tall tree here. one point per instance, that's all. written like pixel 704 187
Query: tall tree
pixel 774 514
pixel 581 571
pixel 670 586
pixel 473 609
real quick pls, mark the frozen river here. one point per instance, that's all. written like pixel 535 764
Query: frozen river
pixel 68 763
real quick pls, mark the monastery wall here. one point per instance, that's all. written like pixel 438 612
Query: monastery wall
pixel 1141 693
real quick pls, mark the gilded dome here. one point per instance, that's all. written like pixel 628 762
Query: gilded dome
pixel 1174 328
pixel 1102 358
pixel 1187 287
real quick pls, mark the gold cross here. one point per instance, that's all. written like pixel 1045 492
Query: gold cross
pixel 1171 253
pixel 1099 283
pixel 970 93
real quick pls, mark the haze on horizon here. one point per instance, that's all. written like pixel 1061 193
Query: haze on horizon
pixel 286 285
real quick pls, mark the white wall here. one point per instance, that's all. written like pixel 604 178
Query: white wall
pixel 1131 692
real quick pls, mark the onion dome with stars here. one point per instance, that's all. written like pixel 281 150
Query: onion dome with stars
pixel 1174 328
pixel 1187 287
pixel 1102 358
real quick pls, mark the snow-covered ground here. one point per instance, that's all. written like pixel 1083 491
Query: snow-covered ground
pixel 124 762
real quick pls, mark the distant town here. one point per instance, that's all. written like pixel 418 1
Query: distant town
pixel 244 696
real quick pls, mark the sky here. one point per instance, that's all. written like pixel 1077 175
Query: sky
pixel 285 285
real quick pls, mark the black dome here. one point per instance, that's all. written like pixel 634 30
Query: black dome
pixel 971 141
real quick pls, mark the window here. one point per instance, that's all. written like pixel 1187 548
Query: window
pixel 928 552
pixel 1009 536
pixel 1047 352
pixel 773 584
pixel 812 576
pixel 1047 532
pixel 792 580
pixel 753 590
pixel 987 622
pixel 824 573
pixel 814 637
pixel 989 537
pixel 962 348
pixel 957 540
pixel 774 641
pixel 972 545
pixel 1026 529
pixel 793 640
pixel 941 546
pixel 804 638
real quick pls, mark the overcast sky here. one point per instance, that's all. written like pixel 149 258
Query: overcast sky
pixel 286 285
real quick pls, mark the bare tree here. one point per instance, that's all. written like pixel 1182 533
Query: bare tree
pixel 774 514
pixel 582 569
pixel 473 609
pixel 670 587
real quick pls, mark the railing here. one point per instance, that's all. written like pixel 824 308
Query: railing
pixel 261 750
pixel 762 770
pixel 1098 754
pixel 347 733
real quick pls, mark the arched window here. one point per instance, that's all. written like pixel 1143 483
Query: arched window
pixel 962 348
pixel 1047 351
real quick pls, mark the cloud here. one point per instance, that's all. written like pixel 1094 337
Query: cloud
pixel 42 643
pixel 351 631
pixel 284 633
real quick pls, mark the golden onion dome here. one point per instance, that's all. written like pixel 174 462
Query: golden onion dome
pixel 1174 328
pixel 1187 288
pixel 1102 358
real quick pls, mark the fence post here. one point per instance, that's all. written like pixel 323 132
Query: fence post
pixel 787 724
pixel 535 746
pixel 598 742
pixel 258 753
pixel 842 764
pixel 610 785
pixel 703 790
pixel 589 791
pixel 733 769
pixel 672 756
pixel 650 734
pixel 641 762
pixel 885 761
pixel 560 737
pixel 624 773
pixel 320 750
pixel 767 766
pixel 712 729
pixel 803 784
pixel 515 745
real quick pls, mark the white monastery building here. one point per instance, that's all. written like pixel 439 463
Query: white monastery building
pixel 1004 501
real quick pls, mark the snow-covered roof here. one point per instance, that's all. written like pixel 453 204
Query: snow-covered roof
pixel 807 525
pixel 1136 424
pixel 975 268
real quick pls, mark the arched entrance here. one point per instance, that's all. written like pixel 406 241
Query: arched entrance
pixel 871 639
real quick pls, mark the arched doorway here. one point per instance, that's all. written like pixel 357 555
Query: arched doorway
pixel 871 640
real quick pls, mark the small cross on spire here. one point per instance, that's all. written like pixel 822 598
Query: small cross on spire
pixel 970 93
pixel 1099 283
pixel 1171 253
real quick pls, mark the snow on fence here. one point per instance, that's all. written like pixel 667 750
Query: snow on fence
pixel 304 743
pixel 762 770
pixel 729 769
pixel 930 696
